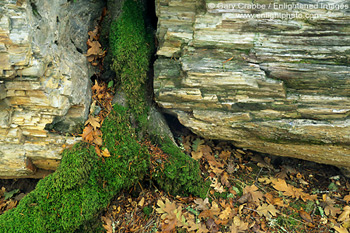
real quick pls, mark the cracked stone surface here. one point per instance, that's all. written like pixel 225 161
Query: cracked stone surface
pixel 44 80
pixel 275 86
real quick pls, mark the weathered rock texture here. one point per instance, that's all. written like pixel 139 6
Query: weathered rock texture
pixel 276 86
pixel 44 80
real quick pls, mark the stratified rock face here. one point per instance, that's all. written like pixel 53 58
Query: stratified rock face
pixel 276 86
pixel 44 79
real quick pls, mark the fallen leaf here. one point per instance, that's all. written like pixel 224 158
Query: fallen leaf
pixel 267 210
pixel 141 202
pixel 340 229
pixel 225 154
pixel 329 208
pixel 11 204
pixel 211 225
pixel 238 226
pixel 226 213
pixel 202 204
pixel 94 122
pixel 105 153
pixel 217 186
pixel 347 198
pixel 197 155
pixel 215 208
pixel 165 208
pixel 305 215
pixel 107 224
pixel 278 201
pixel 256 195
pixel 289 190
pixel 345 214
pixel 224 179
pixel 88 134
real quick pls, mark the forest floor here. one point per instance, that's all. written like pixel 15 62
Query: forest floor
pixel 250 192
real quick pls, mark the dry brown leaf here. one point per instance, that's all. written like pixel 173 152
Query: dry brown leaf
pixel 11 204
pixel 93 34
pixel 212 161
pixel 329 208
pixel 278 201
pixel 226 213
pixel 216 170
pixel 217 186
pixel 345 214
pixel 289 190
pixel 95 49
pixel 255 195
pixel 107 224
pixel 197 155
pixel 172 217
pixel 305 215
pixel 340 229
pixel 97 88
pixel 347 198
pixel 88 134
pixel 224 179
pixel 165 208
pixel 231 168
pixel 202 204
pixel 211 225
pixel 202 228
pixel 94 122
pixel 225 155
pixel 238 226
pixel 267 210
pixel 215 208
pixel 98 140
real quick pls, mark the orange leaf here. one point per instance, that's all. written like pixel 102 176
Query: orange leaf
pixel 88 135
pixel 93 121
pixel 105 153
pixel 98 151
pixel 98 141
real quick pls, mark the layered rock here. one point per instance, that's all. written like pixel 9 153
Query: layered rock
pixel 44 80
pixel 275 86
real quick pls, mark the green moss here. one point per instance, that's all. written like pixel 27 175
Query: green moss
pixel 131 47
pixel 181 174
pixel 83 184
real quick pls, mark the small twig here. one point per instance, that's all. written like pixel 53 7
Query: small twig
pixel 257 176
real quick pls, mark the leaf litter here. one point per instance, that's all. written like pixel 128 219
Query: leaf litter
pixel 247 194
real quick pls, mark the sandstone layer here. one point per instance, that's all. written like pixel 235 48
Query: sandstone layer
pixel 278 86
pixel 44 80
